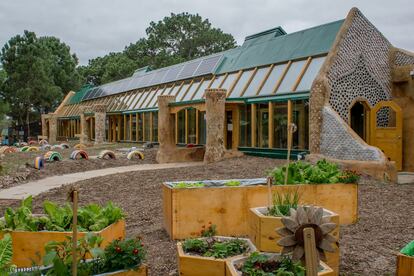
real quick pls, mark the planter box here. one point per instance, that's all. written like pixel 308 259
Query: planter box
pixel 28 247
pixel 141 271
pixel 262 233
pixel 405 265
pixel 187 210
pixel 231 270
pixel 191 265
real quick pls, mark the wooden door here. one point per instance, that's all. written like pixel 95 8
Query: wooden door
pixel 386 130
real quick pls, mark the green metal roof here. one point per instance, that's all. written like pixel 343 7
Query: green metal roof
pixel 79 94
pixel 274 47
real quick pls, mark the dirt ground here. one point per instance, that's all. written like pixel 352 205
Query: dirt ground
pixel 18 167
pixel 368 247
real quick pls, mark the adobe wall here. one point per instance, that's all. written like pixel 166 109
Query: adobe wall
pixel 357 67
pixel 100 121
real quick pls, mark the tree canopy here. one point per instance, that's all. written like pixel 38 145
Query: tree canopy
pixel 176 38
pixel 40 71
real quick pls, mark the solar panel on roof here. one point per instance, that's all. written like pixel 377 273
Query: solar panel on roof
pixel 146 79
pixel 189 69
pixel 158 76
pixel 207 65
pixel 173 73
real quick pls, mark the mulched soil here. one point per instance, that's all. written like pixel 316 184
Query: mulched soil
pixel 20 165
pixel 367 247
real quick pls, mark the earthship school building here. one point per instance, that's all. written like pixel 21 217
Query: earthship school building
pixel 349 92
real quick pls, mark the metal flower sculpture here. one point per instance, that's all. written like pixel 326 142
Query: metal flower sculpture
pixel 292 239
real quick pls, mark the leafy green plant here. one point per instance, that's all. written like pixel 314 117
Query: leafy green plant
pixel 213 247
pixel 209 231
pixel 6 255
pixel 408 249
pixel 123 254
pixel 232 183
pixel 59 255
pixel 183 185
pixel 282 203
pixel 304 173
pixel 59 218
pixel 262 265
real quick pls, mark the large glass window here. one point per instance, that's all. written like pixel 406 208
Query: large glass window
pixel 202 130
pixel 280 116
pixel 155 98
pixel 310 74
pixel 201 90
pixel 181 126
pixel 147 123
pixel 142 99
pixel 182 92
pixel 245 125
pixel 175 89
pixel 191 113
pixel 140 129
pixel 251 90
pixel 238 88
pixel 151 95
pixel 229 81
pixel 191 91
pixel 155 126
pixel 272 80
pixel 134 128
pixel 262 125
pixel 291 76
pixel 217 81
pixel 300 118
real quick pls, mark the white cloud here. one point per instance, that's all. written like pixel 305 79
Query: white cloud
pixel 96 27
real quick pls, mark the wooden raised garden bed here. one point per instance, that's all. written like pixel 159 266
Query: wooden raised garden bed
pixel 405 265
pixel 231 269
pixel 28 247
pixel 192 265
pixel 186 210
pixel 262 233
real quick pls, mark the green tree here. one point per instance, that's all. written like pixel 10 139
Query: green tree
pixel 39 72
pixel 176 38
pixel 3 104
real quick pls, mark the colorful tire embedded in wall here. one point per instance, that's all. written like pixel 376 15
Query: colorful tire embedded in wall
pixel 23 144
pixel 136 154
pixel 107 155
pixel 24 149
pixel 32 149
pixel 46 147
pixel 54 147
pixel 43 142
pixel 64 146
pixel 80 146
pixel 32 142
pixel 79 154
pixel 10 150
pixel 52 156
pixel 39 162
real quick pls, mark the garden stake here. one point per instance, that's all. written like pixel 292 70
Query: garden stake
pixel 269 192
pixel 311 260
pixel 74 196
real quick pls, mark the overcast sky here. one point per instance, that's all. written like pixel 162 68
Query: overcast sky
pixel 94 28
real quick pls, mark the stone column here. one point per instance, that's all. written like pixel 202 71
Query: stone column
pixel 100 118
pixel 52 128
pixel 44 125
pixel 215 115
pixel 84 134
pixel 166 122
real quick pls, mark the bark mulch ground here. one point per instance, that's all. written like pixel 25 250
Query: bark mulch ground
pixel 19 166
pixel 368 248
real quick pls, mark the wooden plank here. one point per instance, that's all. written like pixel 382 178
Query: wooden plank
pixel 405 265
pixel 151 126
pixel 137 126
pixel 186 126
pixel 176 128
pixel 130 127
pixel 125 128
pixel 197 126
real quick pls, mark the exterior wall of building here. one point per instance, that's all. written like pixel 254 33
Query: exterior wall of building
pixel 357 68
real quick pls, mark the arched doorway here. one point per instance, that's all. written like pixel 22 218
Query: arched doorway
pixel 359 119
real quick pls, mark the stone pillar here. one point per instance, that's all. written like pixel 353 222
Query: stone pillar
pixel 84 131
pixel 52 128
pixel 166 123
pixel 44 125
pixel 215 116
pixel 100 118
